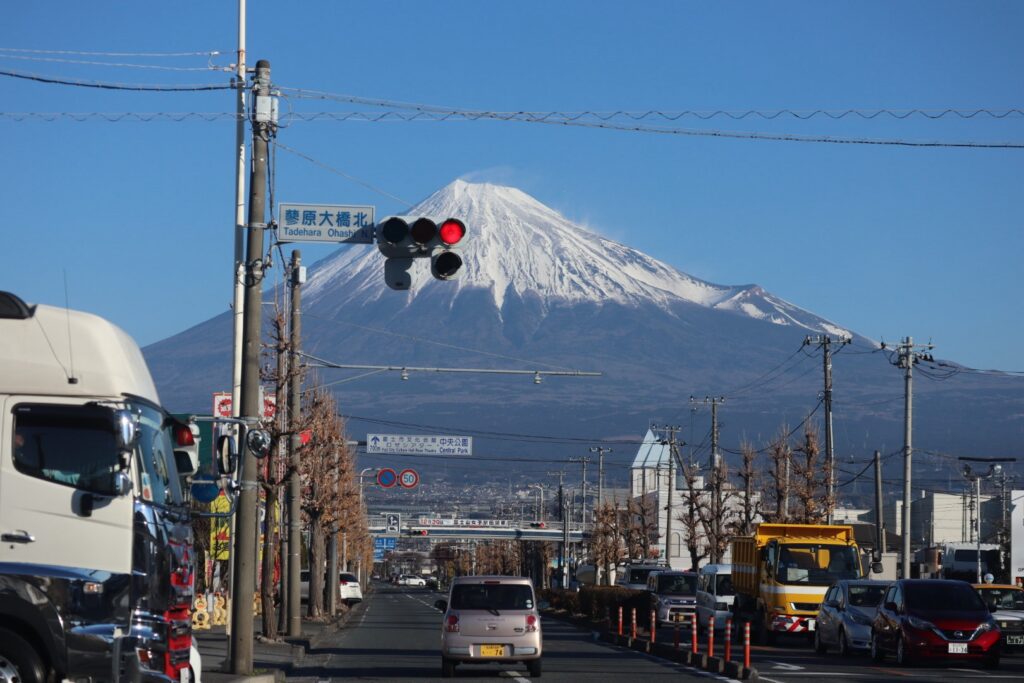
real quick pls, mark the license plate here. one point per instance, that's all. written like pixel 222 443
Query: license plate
pixel 678 617
pixel 1015 640
pixel 958 648
pixel 492 650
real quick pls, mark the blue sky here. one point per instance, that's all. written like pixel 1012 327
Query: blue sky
pixel 888 241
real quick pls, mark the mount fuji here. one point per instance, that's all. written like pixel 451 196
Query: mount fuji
pixel 538 292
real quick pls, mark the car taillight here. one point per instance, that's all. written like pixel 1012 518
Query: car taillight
pixel 344 583
pixel 531 623
pixel 452 623
pixel 183 435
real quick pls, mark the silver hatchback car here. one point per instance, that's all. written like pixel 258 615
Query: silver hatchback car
pixel 845 616
pixel 490 619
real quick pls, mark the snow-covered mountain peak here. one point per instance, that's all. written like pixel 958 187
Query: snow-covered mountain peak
pixel 517 246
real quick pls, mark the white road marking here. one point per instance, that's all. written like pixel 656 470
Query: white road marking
pixel 782 666
pixel 514 676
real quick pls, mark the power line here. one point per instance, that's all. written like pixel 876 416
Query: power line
pixel 137 87
pixel 704 115
pixel 92 62
pixel 204 53
pixel 343 174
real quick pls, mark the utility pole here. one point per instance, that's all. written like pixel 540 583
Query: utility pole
pixel 294 496
pixel 238 270
pixel 825 342
pixel 244 579
pixel 600 450
pixel 673 453
pixel 715 471
pixel 907 356
pixel 584 460
pixel 562 557
pixel 879 517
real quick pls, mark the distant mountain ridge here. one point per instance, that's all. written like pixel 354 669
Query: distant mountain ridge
pixel 539 292
pixel 517 245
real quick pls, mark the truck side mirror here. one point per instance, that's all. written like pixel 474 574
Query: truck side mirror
pixel 227 455
pixel 126 434
pixel 877 567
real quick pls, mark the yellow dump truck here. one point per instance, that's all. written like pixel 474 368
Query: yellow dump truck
pixel 781 572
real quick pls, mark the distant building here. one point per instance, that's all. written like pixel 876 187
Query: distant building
pixel 649 486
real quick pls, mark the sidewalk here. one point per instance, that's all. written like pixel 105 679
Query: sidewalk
pixel 272 662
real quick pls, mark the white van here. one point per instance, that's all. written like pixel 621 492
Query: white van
pixel 715 594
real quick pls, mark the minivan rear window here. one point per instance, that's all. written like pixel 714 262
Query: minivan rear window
pixel 492 596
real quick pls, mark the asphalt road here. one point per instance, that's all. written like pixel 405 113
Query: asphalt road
pixel 395 635
pixel 793 660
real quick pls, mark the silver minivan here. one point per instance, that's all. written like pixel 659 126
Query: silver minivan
pixel 715 594
pixel 490 619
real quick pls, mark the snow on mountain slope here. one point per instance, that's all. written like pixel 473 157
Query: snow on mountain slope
pixel 517 246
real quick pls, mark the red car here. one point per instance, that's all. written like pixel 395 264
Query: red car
pixel 933 619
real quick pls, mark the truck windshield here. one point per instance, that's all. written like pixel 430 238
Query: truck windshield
pixel 158 476
pixel 816 564
pixel 70 445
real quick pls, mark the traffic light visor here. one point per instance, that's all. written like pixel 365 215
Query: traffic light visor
pixel 394 230
pixel 452 231
pixel 445 265
pixel 423 230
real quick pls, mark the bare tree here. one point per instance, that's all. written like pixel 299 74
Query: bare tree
pixel 716 513
pixel 608 545
pixel 643 526
pixel 690 516
pixel 780 455
pixel 750 504
pixel 808 484
pixel 324 496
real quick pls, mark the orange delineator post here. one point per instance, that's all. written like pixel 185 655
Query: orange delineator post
pixel 728 639
pixel 746 644
pixel 711 636
pixel 693 632
pixel 654 624
pixel 632 626
pixel 620 620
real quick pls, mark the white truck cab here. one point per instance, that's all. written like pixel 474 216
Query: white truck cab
pixel 95 542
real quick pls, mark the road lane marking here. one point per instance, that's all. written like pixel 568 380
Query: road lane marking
pixel 513 675
pixel 782 666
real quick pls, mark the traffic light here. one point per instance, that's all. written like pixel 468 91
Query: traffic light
pixel 417 532
pixel 445 261
pixel 401 241
pixel 538 525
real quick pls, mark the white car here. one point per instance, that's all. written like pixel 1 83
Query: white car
pixel 349 589
pixel 411 580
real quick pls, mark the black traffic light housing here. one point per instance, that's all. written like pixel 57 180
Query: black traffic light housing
pixel 401 240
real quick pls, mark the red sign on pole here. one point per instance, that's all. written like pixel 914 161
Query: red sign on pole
pixel 409 479
pixel 386 477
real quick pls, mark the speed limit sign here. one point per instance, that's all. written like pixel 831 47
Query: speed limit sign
pixel 409 479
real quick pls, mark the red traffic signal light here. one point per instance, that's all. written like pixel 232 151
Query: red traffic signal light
pixel 538 525
pixel 452 231
pixel 401 242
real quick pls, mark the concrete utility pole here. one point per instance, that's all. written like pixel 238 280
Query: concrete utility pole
pixel 600 450
pixel 715 471
pixel 294 493
pixel 879 517
pixel 244 580
pixel 563 555
pixel 907 357
pixel 584 460
pixel 825 342
pixel 238 271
